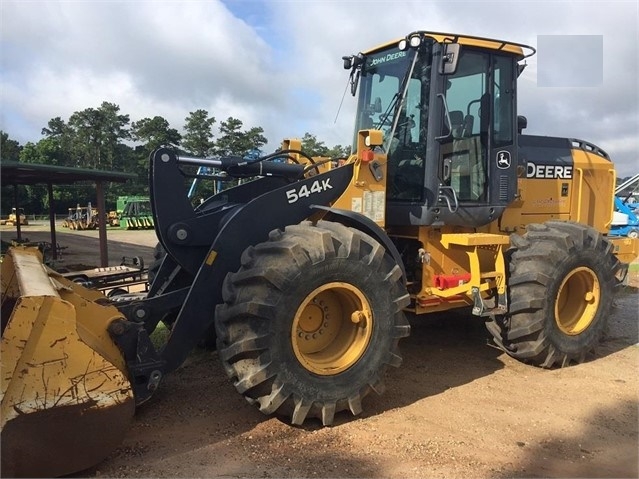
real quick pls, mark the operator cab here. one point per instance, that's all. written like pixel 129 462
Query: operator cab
pixel 447 107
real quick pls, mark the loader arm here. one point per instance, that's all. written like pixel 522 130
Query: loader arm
pixel 208 244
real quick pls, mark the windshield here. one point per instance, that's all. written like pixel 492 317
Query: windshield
pixel 393 94
pixel 394 97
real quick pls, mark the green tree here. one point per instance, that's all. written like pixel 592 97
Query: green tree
pixel 57 148
pixel 255 138
pixel 9 149
pixel 234 141
pixel 42 152
pixel 87 137
pixel 229 142
pixel 339 151
pixel 198 139
pixel 92 138
pixel 312 146
pixel 52 150
pixel 56 128
pixel 115 128
pixel 96 133
pixel 47 151
pixel 127 161
pixel 33 198
pixel 154 133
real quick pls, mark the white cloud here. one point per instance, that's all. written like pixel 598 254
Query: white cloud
pixel 321 32
pixel 277 64
pixel 151 59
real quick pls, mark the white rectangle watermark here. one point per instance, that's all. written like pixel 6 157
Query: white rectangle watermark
pixel 569 60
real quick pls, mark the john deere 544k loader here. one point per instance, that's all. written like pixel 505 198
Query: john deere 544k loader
pixel 303 276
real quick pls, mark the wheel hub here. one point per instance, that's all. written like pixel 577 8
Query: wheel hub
pixel 312 318
pixel 577 301
pixel 332 328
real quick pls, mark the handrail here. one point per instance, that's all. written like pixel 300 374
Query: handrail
pixel 613 173
pixel 579 192
pixel 447 199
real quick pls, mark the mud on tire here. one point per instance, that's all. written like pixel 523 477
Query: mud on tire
pixel 289 331
pixel 562 279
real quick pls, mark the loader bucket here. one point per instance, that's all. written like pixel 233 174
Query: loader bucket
pixel 66 401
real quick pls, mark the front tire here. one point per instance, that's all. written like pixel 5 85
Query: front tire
pixel 561 286
pixel 311 321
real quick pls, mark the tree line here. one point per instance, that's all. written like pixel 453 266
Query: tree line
pixel 106 139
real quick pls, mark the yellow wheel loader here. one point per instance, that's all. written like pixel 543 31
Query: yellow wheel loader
pixel 14 217
pixel 303 276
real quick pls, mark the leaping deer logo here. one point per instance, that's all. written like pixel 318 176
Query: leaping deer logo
pixel 503 159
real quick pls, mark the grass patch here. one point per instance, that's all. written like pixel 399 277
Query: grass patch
pixel 160 335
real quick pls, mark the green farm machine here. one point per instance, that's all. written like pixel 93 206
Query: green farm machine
pixel 134 212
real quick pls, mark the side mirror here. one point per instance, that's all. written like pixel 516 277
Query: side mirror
pixel 522 123
pixel 450 58
pixel 520 68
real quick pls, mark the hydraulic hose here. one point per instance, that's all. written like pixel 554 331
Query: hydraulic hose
pixel 240 167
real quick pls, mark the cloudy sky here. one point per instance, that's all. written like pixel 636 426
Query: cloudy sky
pixel 277 64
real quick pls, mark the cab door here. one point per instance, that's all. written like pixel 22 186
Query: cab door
pixel 477 167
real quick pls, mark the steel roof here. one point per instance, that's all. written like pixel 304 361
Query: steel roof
pixel 17 173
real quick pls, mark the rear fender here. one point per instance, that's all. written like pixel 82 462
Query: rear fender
pixel 366 225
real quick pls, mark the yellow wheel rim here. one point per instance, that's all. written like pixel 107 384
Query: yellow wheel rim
pixel 577 301
pixel 332 328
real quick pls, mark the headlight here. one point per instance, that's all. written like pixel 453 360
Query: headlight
pixel 415 41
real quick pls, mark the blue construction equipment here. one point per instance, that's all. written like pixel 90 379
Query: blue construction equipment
pixel 625 221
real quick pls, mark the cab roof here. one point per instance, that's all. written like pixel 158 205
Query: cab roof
pixel 520 50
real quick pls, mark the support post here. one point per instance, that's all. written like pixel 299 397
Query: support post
pixel 17 206
pixel 104 254
pixel 54 241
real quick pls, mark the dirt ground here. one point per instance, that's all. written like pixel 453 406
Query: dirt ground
pixel 457 407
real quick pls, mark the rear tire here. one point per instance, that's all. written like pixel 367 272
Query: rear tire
pixel 561 286
pixel 311 321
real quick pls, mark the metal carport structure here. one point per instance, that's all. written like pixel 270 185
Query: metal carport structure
pixel 16 173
